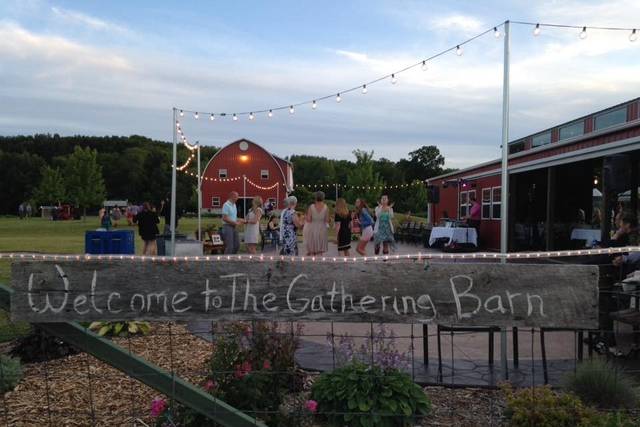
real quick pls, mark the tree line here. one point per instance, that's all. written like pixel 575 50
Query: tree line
pixel 47 169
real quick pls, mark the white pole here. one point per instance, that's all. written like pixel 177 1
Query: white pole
pixel 277 196
pixel 173 185
pixel 199 197
pixel 504 206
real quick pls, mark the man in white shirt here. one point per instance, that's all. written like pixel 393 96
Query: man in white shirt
pixel 230 224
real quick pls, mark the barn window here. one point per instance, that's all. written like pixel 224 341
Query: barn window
pixel 486 203
pixel 264 174
pixel 611 118
pixel 572 130
pixel 215 202
pixel 496 202
pixel 222 173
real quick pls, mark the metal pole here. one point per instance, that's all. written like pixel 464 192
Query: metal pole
pixel 504 206
pixel 336 191
pixel 199 197
pixel 277 196
pixel 173 184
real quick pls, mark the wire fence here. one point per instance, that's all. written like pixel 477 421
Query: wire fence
pixel 271 372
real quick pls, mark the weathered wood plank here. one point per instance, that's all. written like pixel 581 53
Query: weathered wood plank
pixel 447 293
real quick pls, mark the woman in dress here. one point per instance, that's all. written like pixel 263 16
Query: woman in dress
pixel 252 227
pixel 343 226
pixel 366 226
pixel 316 231
pixel 383 234
pixel 289 224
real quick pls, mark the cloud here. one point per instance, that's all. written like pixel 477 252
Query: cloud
pixel 452 22
pixel 77 18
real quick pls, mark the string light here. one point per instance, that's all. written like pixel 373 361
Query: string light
pixel 633 35
pixel 235 118
pixel 291 109
pixel 364 89
pixel 424 66
pixel 583 33
pixel 195 116
pixel 314 105
pixel 212 117
pixel 338 98
pixel 79 258
pixel 393 79
pixel 181 113
pixel 270 113
pixel 251 116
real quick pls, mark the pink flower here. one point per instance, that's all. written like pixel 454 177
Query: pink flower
pixel 242 370
pixel 210 385
pixel 158 406
pixel 311 405
pixel 266 365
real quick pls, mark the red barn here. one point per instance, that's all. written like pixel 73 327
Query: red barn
pixel 249 169
pixel 565 183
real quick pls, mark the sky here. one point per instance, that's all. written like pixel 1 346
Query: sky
pixel 119 68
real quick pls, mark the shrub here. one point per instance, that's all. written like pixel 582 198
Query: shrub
pixel 603 385
pixel 542 407
pixel 609 419
pixel 39 346
pixel 379 349
pixel 120 329
pixel 10 373
pixel 251 369
pixel 361 395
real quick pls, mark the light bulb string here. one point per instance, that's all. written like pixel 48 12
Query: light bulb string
pixel 412 257
pixel 578 27
pixel 354 88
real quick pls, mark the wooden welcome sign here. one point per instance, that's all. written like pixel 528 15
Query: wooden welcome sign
pixel 399 291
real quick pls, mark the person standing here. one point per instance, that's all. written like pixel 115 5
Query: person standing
pixel 165 211
pixel 252 227
pixel 366 226
pixel 289 224
pixel 230 223
pixel 343 226
pixel 383 230
pixel 148 221
pixel 316 226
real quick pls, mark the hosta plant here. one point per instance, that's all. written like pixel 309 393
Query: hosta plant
pixel 120 329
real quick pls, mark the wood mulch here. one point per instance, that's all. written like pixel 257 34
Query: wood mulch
pixel 80 390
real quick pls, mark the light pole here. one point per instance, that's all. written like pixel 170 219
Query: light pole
pixel 173 185
pixel 199 196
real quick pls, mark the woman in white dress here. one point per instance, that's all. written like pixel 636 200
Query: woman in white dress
pixel 252 227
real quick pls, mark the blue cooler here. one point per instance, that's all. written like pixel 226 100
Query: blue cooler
pixel 109 242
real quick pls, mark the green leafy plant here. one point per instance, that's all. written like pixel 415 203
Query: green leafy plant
pixel 10 373
pixel 543 407
pixel 609 419
pixel 367 396
pixel 603 385
pixel 120 329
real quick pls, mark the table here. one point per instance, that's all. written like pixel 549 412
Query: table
pixel 586 234
pixel 457 234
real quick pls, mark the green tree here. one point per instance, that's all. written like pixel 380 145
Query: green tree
pixel 83 178
pixel 51 189
pixel 416 198
pixel 20 173
pixel 363 175
pixel 423 163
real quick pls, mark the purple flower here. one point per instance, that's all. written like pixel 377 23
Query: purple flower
pixel 312 406
pixel 158 406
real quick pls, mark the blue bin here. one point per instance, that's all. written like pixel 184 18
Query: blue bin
pixel 109 242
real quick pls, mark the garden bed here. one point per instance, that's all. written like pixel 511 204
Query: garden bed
pixel 81 390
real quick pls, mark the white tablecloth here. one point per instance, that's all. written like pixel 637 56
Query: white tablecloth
pixel 457 234
pixel 587 234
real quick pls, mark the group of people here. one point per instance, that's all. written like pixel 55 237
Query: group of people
pixel 374 226
pixel 25 210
